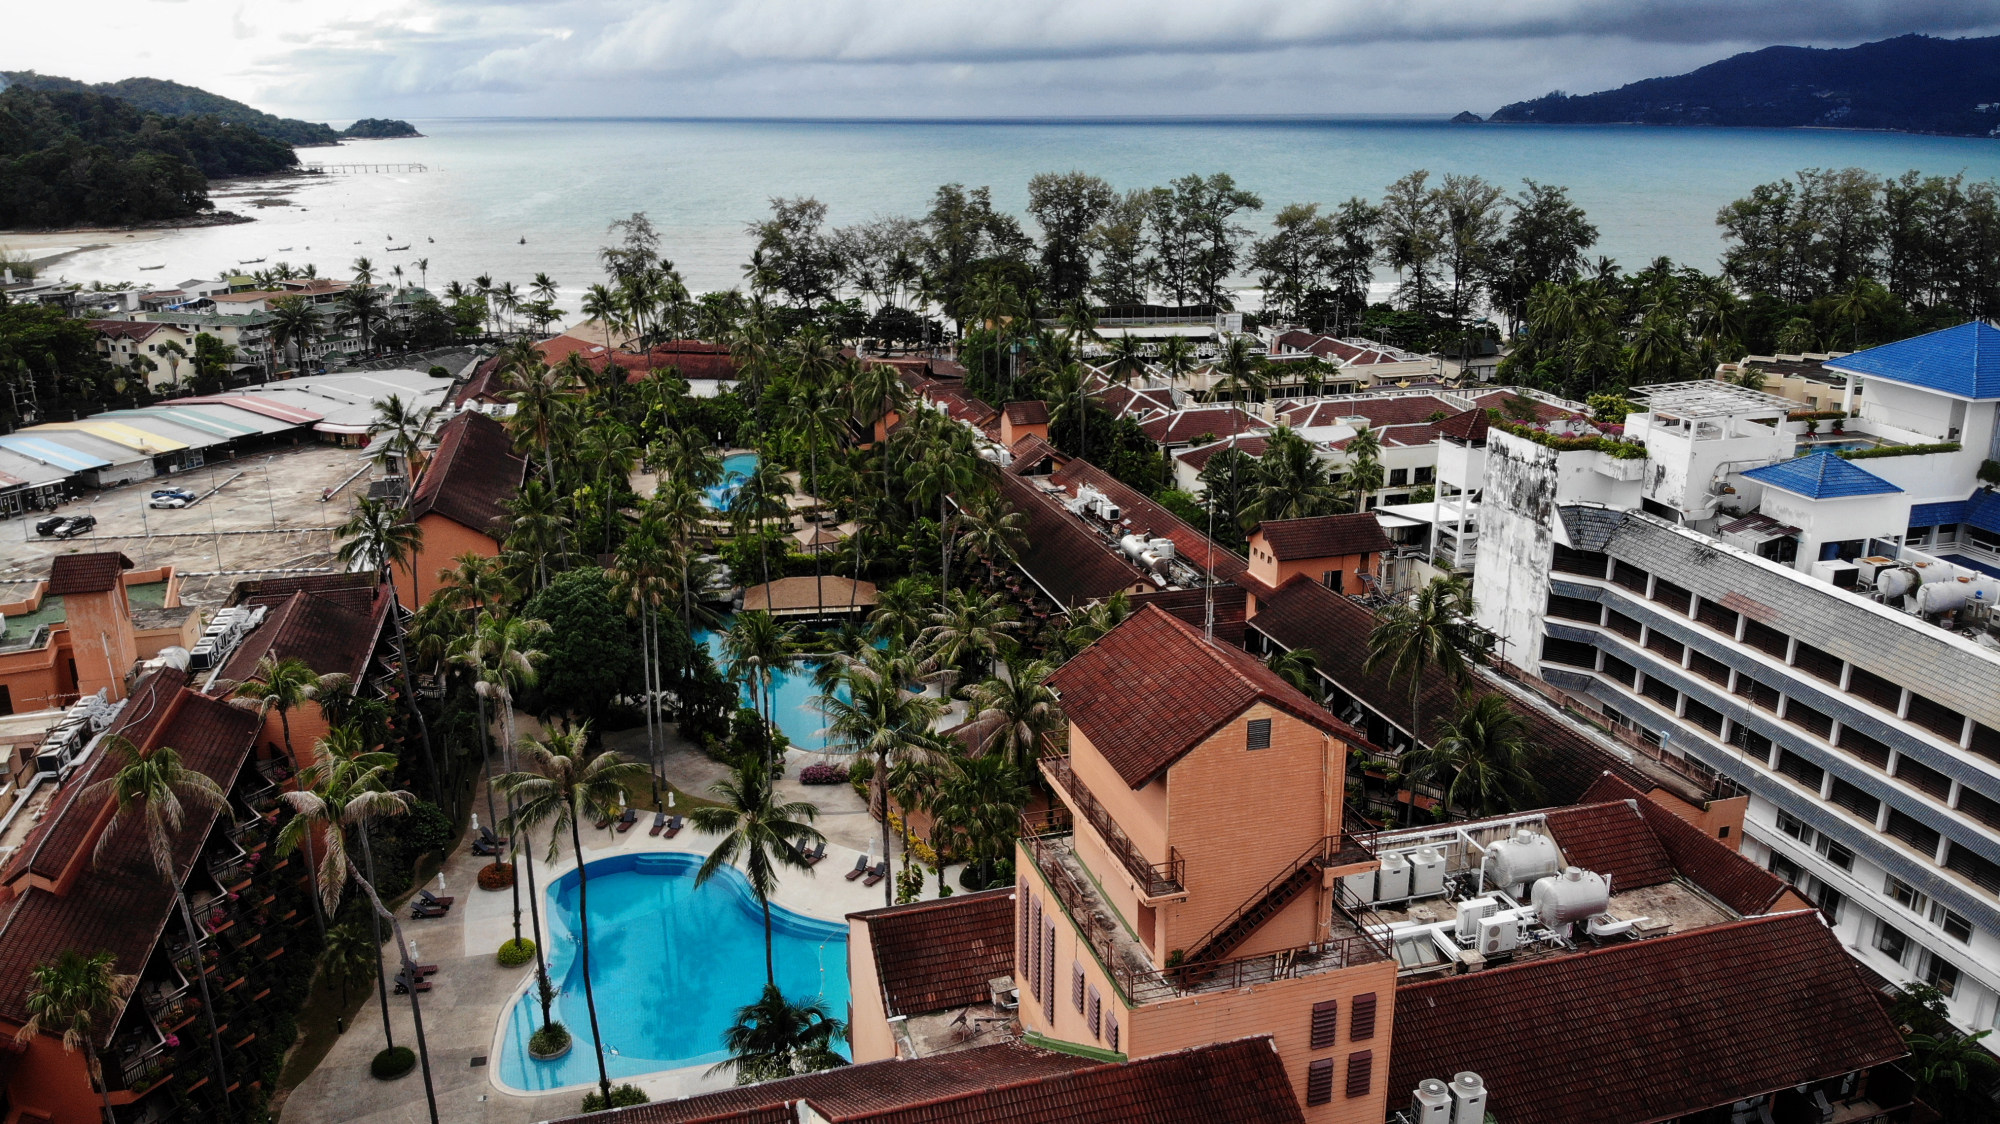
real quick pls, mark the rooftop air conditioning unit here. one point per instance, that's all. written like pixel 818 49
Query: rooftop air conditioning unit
pixel 201 657
pixel 1431 1103
pixel 1468 1096
pixel 1498 935
pixel 1470 913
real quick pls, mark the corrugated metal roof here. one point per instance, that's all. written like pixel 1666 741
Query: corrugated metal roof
pixel 118 433
pixel 1962 361
pixel 1822 476
pixel 48 452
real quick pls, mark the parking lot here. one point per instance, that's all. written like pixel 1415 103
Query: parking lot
pixel 266 517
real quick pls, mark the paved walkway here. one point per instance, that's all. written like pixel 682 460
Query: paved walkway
pixel 471 994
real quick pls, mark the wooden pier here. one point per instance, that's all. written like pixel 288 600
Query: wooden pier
pixel 359 169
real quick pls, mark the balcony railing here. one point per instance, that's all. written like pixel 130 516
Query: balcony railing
pixel 1156 880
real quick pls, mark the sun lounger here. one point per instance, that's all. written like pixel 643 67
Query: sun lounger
pixel 421 910
pixel 877 873
pixel 605 822
pixel 427 969
pixel 813 855
pixel 488 843
pixel 659 823
pixel 626 821
pixel 403 985
pixel 432 899
pixel 860 868
pixel 674 827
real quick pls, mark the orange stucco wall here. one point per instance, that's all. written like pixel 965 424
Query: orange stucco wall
pixel 444 540
pixel 1011 434
pixel 39 678
pixel 100 626
pixel 53 1082
pixel 867 1020
pixel 1265 567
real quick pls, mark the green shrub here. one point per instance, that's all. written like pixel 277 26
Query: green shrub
pixel 1898 451
pixel 426 828
pixel 553 1038
pixel 1616 449
pixel 514 953
pixel 393 1063
pixel 622 1096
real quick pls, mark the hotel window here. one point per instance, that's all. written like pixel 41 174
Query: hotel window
pixel 1425 474
pixel 1259 734
pixel 1795 827
pixel 1785 868
pixel 1836 854
pixel 1940 973
pixel 1906 895
pixel 1891 942
pixel 1954 926
pixel 1399 478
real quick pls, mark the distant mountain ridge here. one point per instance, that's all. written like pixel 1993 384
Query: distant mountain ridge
pixel 1912 84
pixel 172 99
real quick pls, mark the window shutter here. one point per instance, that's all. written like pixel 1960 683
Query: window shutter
pixel 1026 927
pixel 1076 984
pixel 1319 1081
pixel 1049 971
pixel 1033 964
pixel 1326 1023
pixel 1111 1031
pixel 1360 1069
pixel 1260 733
pixel 1094 1011
pixel 1364 1018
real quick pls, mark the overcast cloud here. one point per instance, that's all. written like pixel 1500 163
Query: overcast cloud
pixel 898 58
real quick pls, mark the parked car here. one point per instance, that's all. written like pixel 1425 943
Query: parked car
pixel 48 525
pixel 183 493
pixel 75 525
pixel 169 499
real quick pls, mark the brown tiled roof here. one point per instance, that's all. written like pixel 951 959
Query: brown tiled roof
pixel 471 476
pixel 1128 402
pixel 857 1090
pixel 1062 556
pixel 1183 426
pixel 1379 410
pixel 1614 840
pixel 1031 452
pixel 1734 880
pixel 1142 514
pixel 120 905
pixel 484 385
pixel 933 956
pixel 334 630
pixel 1648 1030
pixel 1468 426
pixel 1497 399
pixel 962 406
pixel 1152 689
pixel 794 594
pixel 1239 1082
pixel 1323 536
pixel 1032 411
pixel 1250 445
pixel 86 573
pixel 1228 602
pixel 1306 614
pixel 134 330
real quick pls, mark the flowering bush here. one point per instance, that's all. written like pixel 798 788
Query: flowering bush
pixel 823 774
pixel 496 876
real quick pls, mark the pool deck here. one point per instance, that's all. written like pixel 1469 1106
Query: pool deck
pixel 471 994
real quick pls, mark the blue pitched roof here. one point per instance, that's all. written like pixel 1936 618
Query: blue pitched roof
pixel 1983 511
pixel 1822 476
pixel 48 452
pixel 1964 361
pixel 1937 514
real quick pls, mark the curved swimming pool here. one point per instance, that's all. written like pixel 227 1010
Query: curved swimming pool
pixel 736 467
pixel 670 964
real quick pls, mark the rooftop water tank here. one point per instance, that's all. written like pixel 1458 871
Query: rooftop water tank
pixel 1522 859
pixel 174 656
pixel 1571 896
pixel 1468 1097
pixel 1895 583
pixel 1942 597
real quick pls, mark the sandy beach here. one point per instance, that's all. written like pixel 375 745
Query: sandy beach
pixel 48 247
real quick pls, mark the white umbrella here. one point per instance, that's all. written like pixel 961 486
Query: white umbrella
pixel 670 798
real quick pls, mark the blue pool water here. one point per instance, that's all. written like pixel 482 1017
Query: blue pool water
pixel 736 467
pixel 670 965
pixel 792 693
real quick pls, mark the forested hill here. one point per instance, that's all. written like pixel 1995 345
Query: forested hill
pixel 1912 83
pixel 171 99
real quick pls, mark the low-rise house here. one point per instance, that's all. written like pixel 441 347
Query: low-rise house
pixel 460 501
pixel 1342 552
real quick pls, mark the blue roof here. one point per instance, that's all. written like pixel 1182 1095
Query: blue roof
pixel 1964 361
pixel 1983 511
pixel 48 452
pixel 1822 476
pixel 1937 514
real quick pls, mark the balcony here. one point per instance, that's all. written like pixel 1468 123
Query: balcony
pixel 1157 882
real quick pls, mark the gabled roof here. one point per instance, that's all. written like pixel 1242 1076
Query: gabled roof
pixel 1142 514
pixel 1250 445
pixel 1031 453
pixel 134 330
pixel 1822 476
pixel 1469 426
pixel 1649 1030
pixel 332 625
pixel 1031 411
pixel 1981 511
pixel 471 476
pixel 1937 514
pixel 936 955
pixel 1323 536
pixel 1963 361
pixel 86 573
pixel 1614 840
pixel 1062 556
pixel 1733 880
pixel 1149 691
pixel 1229 603
pixel 1183 426
pixel 1238 1082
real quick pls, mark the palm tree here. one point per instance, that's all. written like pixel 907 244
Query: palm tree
pixel 280 687
pixel 361 306
pixel 979 809
pixel 349 952
pixel 603 306
pixel 376 539
pixel 816 420
pixel 878 717
pixel 364 271
pixel 1242 370
pixel 1101 617
pixel 402 424
pixel 775 1037
pixel 1128 360
pixel 969 633
pixel 1022 710
pixel 173 353
pixel 1483 752
pixel 560 788
pixel 424 272
pixel 761 496
pixel 765 833
pixel 754 649
pixel 902 611
pixel 151 786
pixel 68 997
pixel 1177 358
pixel 941 473
pixel 295 324
pixel 502 657
pixel 1431 632
pixel 535 528
pixel 1299 667
pixel 1291 482
pixel 995 534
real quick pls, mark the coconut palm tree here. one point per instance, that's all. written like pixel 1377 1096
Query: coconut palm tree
pixel 375 538
pixel 536 528
pixel 559 788
pixel 349 952
pixel 759 497
pixel 902 611
pixel 603 306
pixel 295 324
pixel 1290 482
pixel 502 657
pixel 1177 358
pixel 943 472
pixel 1481 753
pixel 70 997
pixel 1021 709
pixel 978 810
pixel 775 1037
pixel 754 649
pixel 1299 667
pixel 871 713
pixel 1432 632
pixel 817 420
pixel 994 533
pixel 1128 360
pixel 969 633
pixel 761 831
pixel 1243 374
pixel 1101 617
pixel 361 306
pixel 401 425
pixel 280 686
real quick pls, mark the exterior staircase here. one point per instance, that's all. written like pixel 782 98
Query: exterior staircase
pixel 1284 888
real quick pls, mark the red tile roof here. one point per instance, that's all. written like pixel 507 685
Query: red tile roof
pixel 331 621
pixel 1648 1030
pixel 1323 536
pixel 1183 426
pixel 1468 426
pixel 1150 690
pixel 1032 453
pixel 1345 352
pixel 1141 514
pixel 1380 410
pixel 933 956
pixel 1130 402
pixel 471 476
pixel 484 385
pixel 134 330
pixel 1250 445
pixel 1239 1082
pixel 1614 840
pixel 1033 411
pixel 1070 562
pixel 1228 602
pixel 1716 867
pixel 98 572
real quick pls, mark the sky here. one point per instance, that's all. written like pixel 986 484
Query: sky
pixel 924 58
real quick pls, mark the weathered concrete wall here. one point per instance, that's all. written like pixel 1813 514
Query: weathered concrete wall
pixel 1517 517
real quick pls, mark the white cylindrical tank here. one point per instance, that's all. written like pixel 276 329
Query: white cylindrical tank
pixel 1468 1097
pixel 1431 1102
pixel 174 656
pixel 1943 597
pixel 1521 860
pixel 1928 572
pixel 1164 548
pixel 1896 582
pixel 1133 545
pixel 1392 882
pixel 1426 873
pixel 1571 896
